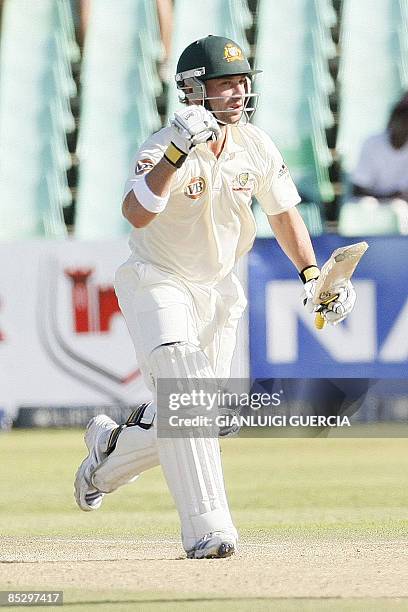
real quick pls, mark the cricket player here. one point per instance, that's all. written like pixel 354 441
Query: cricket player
pixel 189 202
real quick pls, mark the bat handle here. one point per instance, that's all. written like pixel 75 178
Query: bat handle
pixel 319 321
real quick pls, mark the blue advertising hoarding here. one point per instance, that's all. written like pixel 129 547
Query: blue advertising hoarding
pixel 371 343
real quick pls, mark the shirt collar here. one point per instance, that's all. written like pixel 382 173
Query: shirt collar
pixel 232 142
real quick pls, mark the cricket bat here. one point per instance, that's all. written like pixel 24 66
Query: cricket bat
pixel 334 274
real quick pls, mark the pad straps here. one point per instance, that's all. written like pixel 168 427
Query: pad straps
pixel 135 419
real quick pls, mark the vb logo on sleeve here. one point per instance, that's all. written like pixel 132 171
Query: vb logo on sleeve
pixel 143 166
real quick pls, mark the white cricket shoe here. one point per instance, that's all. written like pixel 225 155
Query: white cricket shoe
pixel 86 495
pixel 215 545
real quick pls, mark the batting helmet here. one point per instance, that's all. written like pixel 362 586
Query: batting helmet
pixel 213 57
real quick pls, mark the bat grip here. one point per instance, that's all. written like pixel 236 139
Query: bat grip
pixel 319 321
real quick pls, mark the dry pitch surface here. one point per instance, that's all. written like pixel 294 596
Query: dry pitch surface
pixel 324 526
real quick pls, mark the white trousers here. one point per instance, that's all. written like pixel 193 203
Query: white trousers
pixel 160 308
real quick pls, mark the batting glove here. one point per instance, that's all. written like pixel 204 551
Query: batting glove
pixel 338 309
pixel 309 276
pixel 190 127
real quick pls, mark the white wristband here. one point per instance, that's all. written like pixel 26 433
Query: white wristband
pixel 149 200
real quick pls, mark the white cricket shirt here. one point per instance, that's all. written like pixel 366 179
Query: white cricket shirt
pixel 382 168
pixel 208 223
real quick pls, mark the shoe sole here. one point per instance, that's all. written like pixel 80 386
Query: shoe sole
pixel 224 550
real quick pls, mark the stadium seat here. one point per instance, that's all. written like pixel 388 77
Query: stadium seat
pixel 293 21
pixel 403 43
pixel 68 30
pixel 149 28
pixel 327 13
pixel 237 18
pixel 367 219
pixel 118 110
pixel 35 87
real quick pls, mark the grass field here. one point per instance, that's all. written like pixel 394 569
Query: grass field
pixel 323 523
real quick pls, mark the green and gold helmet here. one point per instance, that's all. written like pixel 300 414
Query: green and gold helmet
pixel 213 57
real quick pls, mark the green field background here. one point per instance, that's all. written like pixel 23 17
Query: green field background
pixel 274 486
pixel 278 488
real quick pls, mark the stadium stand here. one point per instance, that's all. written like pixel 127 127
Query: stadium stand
pixel 37 46
pixel 121 92
pixel 294 45
pixel 118 109
pixel 228 18
pixel 372 72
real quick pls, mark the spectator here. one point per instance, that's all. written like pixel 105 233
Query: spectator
pixel 381 171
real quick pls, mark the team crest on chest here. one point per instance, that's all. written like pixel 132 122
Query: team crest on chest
pixel 232 53
pixel 195 188
pixel 243 182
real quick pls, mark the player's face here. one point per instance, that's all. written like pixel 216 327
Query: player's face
pixel 228 97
